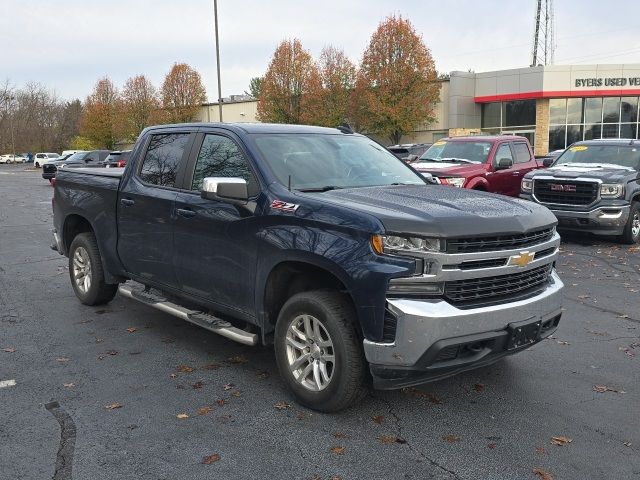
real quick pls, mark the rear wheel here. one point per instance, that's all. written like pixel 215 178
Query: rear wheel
pixel 631 233
pixel 86 273
pixel 318 352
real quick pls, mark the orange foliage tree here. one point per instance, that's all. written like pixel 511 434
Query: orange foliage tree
pixel 286 89
pixel 329 105
pixel 182 93
pixel 99 121
pixel 140 106
pixel 396 85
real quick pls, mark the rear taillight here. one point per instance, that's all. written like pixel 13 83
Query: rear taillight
pixel 121 163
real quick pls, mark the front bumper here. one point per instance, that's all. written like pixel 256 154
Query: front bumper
pixel 435 339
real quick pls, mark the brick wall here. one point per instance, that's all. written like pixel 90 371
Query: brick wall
pixel 541 146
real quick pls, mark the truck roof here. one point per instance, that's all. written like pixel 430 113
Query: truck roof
pixel 484 138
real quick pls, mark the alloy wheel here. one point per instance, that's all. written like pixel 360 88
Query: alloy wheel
pixel 82 269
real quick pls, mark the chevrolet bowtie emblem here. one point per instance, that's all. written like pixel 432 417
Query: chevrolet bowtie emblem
pixel 522 260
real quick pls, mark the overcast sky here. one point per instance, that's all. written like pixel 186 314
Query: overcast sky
pixel 68 44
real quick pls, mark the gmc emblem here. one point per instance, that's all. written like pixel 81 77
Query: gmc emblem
pixel 558 187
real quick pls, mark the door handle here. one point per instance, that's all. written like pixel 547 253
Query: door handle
pixel 516 173
pixel 183 212
pixel 127 202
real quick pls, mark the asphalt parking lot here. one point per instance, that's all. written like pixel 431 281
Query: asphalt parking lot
pixel 123 391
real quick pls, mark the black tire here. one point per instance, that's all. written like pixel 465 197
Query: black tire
pixel 347 383
pixel 98 291
pixel 628 235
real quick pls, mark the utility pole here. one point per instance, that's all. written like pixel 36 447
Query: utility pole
pixel 215 15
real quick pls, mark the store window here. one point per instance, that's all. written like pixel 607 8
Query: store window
pixel 593 110
pixel 557 111
pixel 491 115
pixel 519 113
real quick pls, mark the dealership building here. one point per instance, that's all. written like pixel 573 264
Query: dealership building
pixel 553 106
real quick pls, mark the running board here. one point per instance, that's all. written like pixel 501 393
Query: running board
pixel 204 320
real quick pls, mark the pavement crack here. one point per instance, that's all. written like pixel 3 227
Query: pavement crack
pixel 64 459
pixel 411 447
pixel 603 309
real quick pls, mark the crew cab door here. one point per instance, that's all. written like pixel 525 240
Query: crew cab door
pixel 215 248
pixel 145 207
pixel 502 181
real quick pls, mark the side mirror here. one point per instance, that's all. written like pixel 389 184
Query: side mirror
pixel 428 177
pixel 547 162
pixel 504 163
pixel 216 188
pixel 411 158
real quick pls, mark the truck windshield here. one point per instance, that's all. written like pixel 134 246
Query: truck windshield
pixel 321 162
pixel 621 155
pixel 445 151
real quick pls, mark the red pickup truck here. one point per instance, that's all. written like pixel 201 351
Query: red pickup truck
pixel 490 163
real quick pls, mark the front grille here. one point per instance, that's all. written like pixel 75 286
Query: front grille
pixel 475 264
pixel 495 289
pixel 545 253
pixel 496 243
pixel 46 168
pixel 565 192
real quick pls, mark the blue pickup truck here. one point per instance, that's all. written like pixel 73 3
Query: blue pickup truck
pixel 317 241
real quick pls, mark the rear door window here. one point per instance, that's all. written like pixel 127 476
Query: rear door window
pixel 522 152
pixel 162 159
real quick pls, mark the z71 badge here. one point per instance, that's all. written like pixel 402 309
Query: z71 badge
pixel 284 206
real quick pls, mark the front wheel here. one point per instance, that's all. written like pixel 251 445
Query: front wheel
pixel 631 233
pixel 318 351
pixel 86 273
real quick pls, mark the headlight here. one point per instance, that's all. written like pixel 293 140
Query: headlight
pixel 611 190
pixel 526 185
pixel 407 245
pixel 453 181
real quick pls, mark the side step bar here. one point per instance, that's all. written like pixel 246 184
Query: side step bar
pixel 201 319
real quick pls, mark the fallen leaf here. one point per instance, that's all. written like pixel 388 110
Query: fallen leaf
pixel 228 386
pixel 102 312
pixel 478 387
pixel 582 297
pixel 208 460
pixel 624 315
pixel 236 393
pixel 237 359
pixel 604 388
pixel 132 329
pixel 173 375
pixel 113 406
pixel 184 369
pixel 541 451
pixel 415 392
pixel 387 439
pixel 301 416
pixel 492 445
pixel 562 342
pixel 451 438
pixel 263 374
pixel 112 352
pixel 338 450
pixel 182 416
pixel 542 474
pixel 561 440
pixel 627 444
pixel 68 385
pixel 198 384
pixel 220 402
pixel 99 339
pixel 204 410
pixel 379 419
pixel 281 405
pixel 9 349
pixel 335 477
pixel 211 366
pixel 340 435
pixel 62 359
pixel 132 427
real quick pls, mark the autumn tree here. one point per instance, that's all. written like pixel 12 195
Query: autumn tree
pixel 329 105
pixel 284 92
pixel 182 93
pixel 140 105
pixel 396 82
pixel 99 123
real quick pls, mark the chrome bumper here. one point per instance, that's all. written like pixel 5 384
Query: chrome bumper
pixel 422 323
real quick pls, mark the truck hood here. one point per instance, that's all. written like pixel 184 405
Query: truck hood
pixel 442 169
pixel 606 172
pixel 443 211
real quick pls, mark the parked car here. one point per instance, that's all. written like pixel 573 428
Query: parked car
pixel 594 186
pixel 319 242
pixel 490 163
pixel 116 159
pixel 10 158
pixel 409 152
pixel 70 152
pixel 80 159
pixel 41 158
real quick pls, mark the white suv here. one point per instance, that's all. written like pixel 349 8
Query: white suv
pixel 41 158
pixel 8 158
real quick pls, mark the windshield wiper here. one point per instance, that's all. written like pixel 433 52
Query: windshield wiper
pixel 458 160
pixel 326 188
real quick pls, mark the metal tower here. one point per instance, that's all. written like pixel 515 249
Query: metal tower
pixel 544 42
